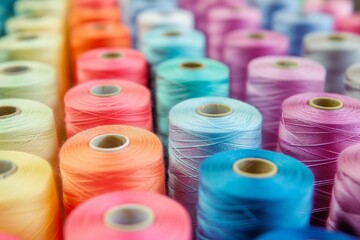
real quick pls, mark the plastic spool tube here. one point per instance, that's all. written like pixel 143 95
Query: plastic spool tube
pixel 315 128
pixel 110 158
pixel 350 24
pixel 113 63
pixel 35 6
pixel 23 171
pixel 128 215
pixel 107 102
pixel 336 52
pixel 199 128
pixel 160 45
pixel 296 25
pixel 344 215
pixel 272 79
pixel 157 18
pixel 352 81
pixel 223 20
pixel 301 234
pixel 281 194
pixel 86 15
pixel 242 46
pixel 185 78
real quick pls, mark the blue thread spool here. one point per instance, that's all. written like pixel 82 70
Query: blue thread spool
pixel 185 78
pixel 296 25
pixel 245 193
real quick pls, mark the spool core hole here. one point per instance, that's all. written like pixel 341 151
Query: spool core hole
pixel 214 110
pixel 7 168
pixel 130 217
pixel 8 111
pixel 105 90
pixel 256 36
pixel 112 55
pixel 172 34
pixel 337 37
pixel 325 103
pixel 15 70
pixel 286 64
pixel 99 26
pixel 109 142
pixel 255 168
pixel 192 65
pixel 26 37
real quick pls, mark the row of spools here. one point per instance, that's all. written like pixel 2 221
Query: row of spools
pixel 228 193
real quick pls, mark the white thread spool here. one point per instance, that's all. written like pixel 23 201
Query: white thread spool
pixel 352 81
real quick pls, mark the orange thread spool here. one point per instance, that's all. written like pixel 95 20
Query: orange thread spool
pixel 110 158
pixel 87 15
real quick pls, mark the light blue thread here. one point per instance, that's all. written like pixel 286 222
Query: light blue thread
pixel 235 206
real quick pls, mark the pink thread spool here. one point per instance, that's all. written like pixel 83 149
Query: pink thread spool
pixel 315 128
pixel 129 215
pixel 202 7
pixel 222 20
pixel 272 79
pixel 107 102
pixel 344 211
pixel 338 9
pixel 241 47
pixel 350 24
pixel 112 63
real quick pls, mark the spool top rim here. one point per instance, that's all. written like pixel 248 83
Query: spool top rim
pixel 214 110
pixel 257 168
pixel 326 103
pixel 110 142
pixel 106 90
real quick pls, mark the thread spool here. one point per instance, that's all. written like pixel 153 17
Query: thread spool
pixel 315 128
pixel 307 233
pixel 336 52
pixel 8 237
pixel 272 79
pixel 135 8
pixel 199 128
pixel 35 22
pixel 202 8
pixel 223 20
pixel 115 156
pixel 160 45
pixel 93 35
pixel 34 6
pixel 352 81
pixel 107 102
pixel 23 171
pixel 129 214
pixel 296 25
pixel 350 24
pixel 338 9
pixel 85 15
pixel 28 126
pixel 344 215
pixel 245 45
pixel 181 79
pixel 157 18
pixel 113 63
pixel 277 182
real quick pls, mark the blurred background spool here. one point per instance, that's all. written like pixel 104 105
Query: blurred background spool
pixel 8 237
pixel 336 52
pixel 110 158
pixel 107 102
pixel 222 20
pixel 28 126
pixel 269 8
pixel 306 233
pixel 112 63
pixel 352 81
pixel 202 8
pixel 35 6
pixel 338 9
pixel 280 195
pixel 4 15
pixel 93 35
pixel 344 214
pixel 129 215
pixel 350 24
pixel 202 127
pixel 80 15
pixel 163 44
pixel 157 18
pixel 29 205
pixel 185 78
pixel 296 25
pixel 315 128
pixel 272 79
pixel 242 46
